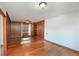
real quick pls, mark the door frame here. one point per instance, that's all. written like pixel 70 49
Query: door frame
pixel 4 32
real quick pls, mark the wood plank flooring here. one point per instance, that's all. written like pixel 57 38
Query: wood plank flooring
pixel 40 47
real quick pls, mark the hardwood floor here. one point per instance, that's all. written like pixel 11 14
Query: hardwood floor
pixel 40 47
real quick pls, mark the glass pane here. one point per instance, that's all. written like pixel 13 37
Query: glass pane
pixel 25 28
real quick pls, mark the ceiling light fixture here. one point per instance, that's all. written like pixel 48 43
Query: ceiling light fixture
pixel 42 4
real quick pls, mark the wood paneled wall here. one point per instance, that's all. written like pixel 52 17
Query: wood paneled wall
pixel 5 36
pixel 39 29
pixel 33 29
pixel 6 30
pixel 8 25
pixel 16 35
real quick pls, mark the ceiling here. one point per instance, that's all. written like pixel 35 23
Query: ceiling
pixel 21 11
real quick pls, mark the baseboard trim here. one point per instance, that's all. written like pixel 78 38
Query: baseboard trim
pixel 63 47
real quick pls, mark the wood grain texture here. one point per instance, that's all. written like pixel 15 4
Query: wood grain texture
pixel 5 46
pixel 32 32
pixel 4 32
pixel 16 34
pixel 39 29
pixel 6 28
pixel 40 47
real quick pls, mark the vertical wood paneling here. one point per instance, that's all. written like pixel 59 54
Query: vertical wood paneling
pixel 6 30
pixel 39 29
pixel 15 34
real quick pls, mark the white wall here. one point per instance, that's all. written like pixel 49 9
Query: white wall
pixel 64 30
pixel 1 30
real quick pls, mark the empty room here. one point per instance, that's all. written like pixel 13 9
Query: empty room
pixel 39 28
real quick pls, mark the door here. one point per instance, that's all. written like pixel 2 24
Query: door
pixel 3 34
pixel 40 29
